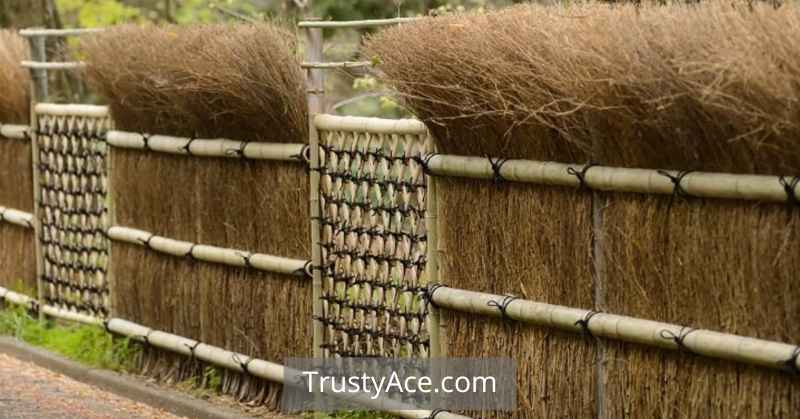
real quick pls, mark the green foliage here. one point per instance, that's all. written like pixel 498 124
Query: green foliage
pixel 90 345
pixel 96 13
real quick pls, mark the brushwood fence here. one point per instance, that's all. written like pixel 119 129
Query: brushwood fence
pixel 390 234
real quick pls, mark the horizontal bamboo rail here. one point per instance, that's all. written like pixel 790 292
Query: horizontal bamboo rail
pixel 336 64
pixel 370 23
pixel 15 132
pixel 55 109
pixel 20 218
pixel 617 179
pixel 244 364
pixel 629 329
pixel 33 32
pixel 213 254
pixel 67 65
pixel 55 312
pixel 371 125
pixel 208 147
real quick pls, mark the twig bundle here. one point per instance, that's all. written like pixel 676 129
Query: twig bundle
pixel 15 80
pixel 711 87
pixel 211 81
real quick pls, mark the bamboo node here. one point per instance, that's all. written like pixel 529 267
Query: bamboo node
pixel 238 152
pixel 187 147
pixel 436 412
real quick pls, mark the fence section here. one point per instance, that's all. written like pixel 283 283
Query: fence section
pixel 372 197
pixel 72 208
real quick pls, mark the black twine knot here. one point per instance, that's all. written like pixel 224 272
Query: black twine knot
pixel 436 412
pixel 146 337
pixel 678 338
pixel 187 147
pixel 106 323
pixel 244 365
pixel 502 305
pixel 790 365
pixel 146 140
pixel 304 155
pixel 190 253
pixel 305 270
pixel 246 258
pixel 789 187
pixel 581 174
pixel 424 162
pixel 146 243
pixel 432 288
pixel 584 323
pixel 240 151
pixel 497 165
pixel 191 349
pixel 676 180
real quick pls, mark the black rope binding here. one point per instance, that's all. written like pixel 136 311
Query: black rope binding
pixel 436 412
pixel 190 253
pixel 424 163
pixel 304 155
pixel 790 365
pixel 584 323
pixel 146 140
pixel 146 243
pixel 789 187
pixel 246 258
pixel 238 152
pixel 581 174
pixel 191 350
pixel 146 337
pixel 497 165
pixel 502 305
pixel 677 189
pixel 106 322
pixel 429 291
pixel 243 365
pixel 305 270
pixel 187 147
pixel 678 339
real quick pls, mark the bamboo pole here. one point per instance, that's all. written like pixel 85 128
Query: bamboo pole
pixel 335 64
pixel 88 111
pixel 326 122
pixel 55 312
pixel 699 184
pixel 111 220
pixel 20 218
pixel 15 132
pixel 38 65
pixel 629 329
pixel 39 94
pixel 208 147
pixel 370 23
pixel 28 33
pixel 315 84
pixel 432 263
pixel 213 254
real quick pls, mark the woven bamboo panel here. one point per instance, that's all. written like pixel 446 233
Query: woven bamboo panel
pixel 373 239
pixel 73 212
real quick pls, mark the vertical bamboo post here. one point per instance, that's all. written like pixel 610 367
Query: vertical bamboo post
pixel 111 220
pixel 432 263
pixel 38 94
pixel 315 83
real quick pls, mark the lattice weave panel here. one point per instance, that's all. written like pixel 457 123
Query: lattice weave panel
pixel 372 193
pixel 73 212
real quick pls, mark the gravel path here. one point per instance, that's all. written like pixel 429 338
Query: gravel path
pixel 28 391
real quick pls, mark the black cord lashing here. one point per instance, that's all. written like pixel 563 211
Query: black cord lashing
pixel 146 243
pixel 432 288
pixel 584 323
pixel 497 165
pixel 503 306
pixel 243 365
pixel 425 161
pixel 790 186
pixel 146 337
pixel 678 338
pixel 146 140
pixel 790 365
pixel 436 412
pixel 305 270
pixel 304 155
pixel 239 152
pixel 581 174
pixel 187 147
pixel 191 350
pixel 246 258
pixel 190 254
pixel 676 180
